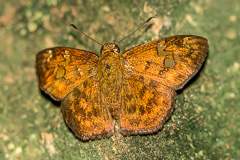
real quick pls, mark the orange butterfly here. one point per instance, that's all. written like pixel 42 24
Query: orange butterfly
pixel 137 88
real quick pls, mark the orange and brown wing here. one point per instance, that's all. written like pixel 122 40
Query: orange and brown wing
pixel 153 72
pixel 146 105
pixel 85 113
pixel 172 61
pixel 62 69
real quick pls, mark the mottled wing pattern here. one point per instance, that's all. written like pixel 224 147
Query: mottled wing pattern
pixel 148 76
pixel 153 71
pixel 146 105
pixel 62 69
pixel 172 61
pixel 85 113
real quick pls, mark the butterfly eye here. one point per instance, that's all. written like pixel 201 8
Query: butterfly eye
pixel 116 49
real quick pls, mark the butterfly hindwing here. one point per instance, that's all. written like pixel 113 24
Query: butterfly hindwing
pixel 85 113
pixel 146 105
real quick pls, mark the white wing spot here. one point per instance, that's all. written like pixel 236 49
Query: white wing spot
pixel 50 55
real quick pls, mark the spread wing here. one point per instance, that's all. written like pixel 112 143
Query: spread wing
pixel 86 114
pixel 153 71
pixel 172 61
pixel 62 69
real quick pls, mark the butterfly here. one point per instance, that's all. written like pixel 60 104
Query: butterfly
pixel 136 88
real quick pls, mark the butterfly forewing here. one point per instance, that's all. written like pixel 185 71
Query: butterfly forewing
pixel 172 61
pixel 62 69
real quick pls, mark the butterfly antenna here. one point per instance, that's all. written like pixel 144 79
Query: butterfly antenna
pixel 75 27
pixel 149 19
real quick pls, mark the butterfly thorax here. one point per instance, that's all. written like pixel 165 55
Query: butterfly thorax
pixel 109 71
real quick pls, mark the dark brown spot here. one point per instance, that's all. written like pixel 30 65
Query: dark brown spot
pixel 142 109
pixel 81 111
pixel 132 109
pixel 177 42
pixel 148 108
pixel 85 83
pixel 83 95
pixel 180 76
pixel 95 112
pixel 108 67
pixel 129 96
pixel 147 65
pixel 153 83
pixel 142 91
pixel 152 101
pixel 141 78
pixel 89 115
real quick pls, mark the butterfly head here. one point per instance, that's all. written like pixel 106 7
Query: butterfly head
pixel 110 47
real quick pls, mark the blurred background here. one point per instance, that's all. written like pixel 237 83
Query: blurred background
pixel 206 121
